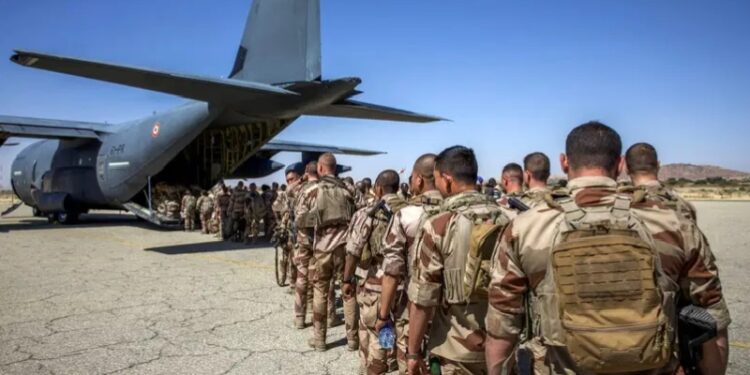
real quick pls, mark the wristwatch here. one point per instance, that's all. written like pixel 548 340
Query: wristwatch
pixel 387 318
pixel 414 356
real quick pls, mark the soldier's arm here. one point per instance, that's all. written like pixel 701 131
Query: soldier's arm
pixel 394 263
pixel 703 288
pixel 426 286
pixel 507 290
pixel 358 234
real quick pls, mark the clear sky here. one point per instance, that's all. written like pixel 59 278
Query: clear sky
pixel 514 76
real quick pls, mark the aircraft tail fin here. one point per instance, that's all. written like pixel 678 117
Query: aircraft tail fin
pixel 281 42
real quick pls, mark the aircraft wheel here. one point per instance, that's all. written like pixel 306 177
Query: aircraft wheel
pixel 36 212
pixel 67 217
pixel 51 218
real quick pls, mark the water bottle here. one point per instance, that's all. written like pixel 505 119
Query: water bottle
pixel 387 337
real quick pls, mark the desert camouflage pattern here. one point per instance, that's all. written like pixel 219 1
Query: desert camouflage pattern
pixel 205 208
pixel 359 237
pixel 303 254
pixel 172 208
pixel 522 253
pixel 255 213
pixel 535 196
pixel 223 200
pixel 511 213
pixel 655 190
pixel 188 211
pixel 457 332
pixel 328 250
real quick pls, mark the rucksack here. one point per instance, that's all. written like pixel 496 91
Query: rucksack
pixel 381 215
pixel 604 295
pixel 468 247
pixel 333 205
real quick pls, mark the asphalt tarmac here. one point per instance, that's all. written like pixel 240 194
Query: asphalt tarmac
pixel 114 295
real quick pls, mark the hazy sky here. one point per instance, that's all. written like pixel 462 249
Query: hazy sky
pixel 513 76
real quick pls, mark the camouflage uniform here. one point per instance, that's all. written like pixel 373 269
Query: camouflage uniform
pixel 281 208
pixel 303 259
pixel 255 215
pixel 328 251
pixel 188 211
pixel 268 218
pixel 534 196
pixel 223 200
pixel 505 206
pixel 522 258
pixel 457 334
pixel 361 236
pixel 206 208
pixel 237 210
pixel 655 190
pixel 398 259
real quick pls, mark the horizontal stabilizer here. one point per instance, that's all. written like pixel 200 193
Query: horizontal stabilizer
pixel 205 89
pixel 280 146
pixel 47 128
pixel 361 110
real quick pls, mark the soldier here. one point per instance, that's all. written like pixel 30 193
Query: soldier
pixel 257 212
pixel 173 207
pixel 364 253
pixel 360 194
pixel 205 207
pixel 281 208
pixel 237 210
pixel 267 216
pixel 398 251
pixel 579 270
pixel 188 210
pixel 490 189
pixel 511 181
pixel 536 169
pixel 328 207
pixel 303 257
pixel 223 200
pixel 643 167
pixel 403 191
pixel 448 282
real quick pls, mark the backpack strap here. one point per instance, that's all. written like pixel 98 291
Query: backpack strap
pixel 573 213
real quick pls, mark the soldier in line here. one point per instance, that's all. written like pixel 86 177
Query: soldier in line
pixel 237 210
pixel 267 216
pixel 205 209
pixel 596 225
pixel 223 200
pixel 511 182
pixel 188 210
pixel 281 209
pixel 256 212
pixel 536 170
pixel 327 207
pixel 643 168
pixel 364 257
pixel 450 251
pixel 403 191
pixel 399 253
pixel 303 257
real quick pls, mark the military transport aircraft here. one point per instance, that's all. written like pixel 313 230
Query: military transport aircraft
pixel 226 130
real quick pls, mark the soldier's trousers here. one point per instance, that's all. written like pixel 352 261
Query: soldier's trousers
pixel 329 265
pixel 205 222
pixel 376 359
pixel 450 367
pixel 304 277
pixel 189 220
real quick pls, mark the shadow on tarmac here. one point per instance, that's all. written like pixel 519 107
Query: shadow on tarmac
pixel 97 220
pixel 207 247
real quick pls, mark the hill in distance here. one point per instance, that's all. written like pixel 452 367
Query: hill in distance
pixel 698 172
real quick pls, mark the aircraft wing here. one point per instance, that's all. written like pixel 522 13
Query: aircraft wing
pixel 273 147
pixel 193 87
pixel 361 110
pixel 30 127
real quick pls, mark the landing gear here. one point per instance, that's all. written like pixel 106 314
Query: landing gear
pixel 63 218
pixel 36 212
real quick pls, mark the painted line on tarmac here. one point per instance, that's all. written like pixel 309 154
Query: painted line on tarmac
pixel 740 344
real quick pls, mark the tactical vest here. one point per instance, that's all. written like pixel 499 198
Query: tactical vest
pixel 333 205
pixel 207 205
pixel 468 246
pixel 380 215
pixel 605 296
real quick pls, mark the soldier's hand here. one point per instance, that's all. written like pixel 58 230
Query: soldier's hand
pixel 416 367
pixel 347 289
pixel 379 325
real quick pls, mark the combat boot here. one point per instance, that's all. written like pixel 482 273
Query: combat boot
pixel 299 322
pixel 334 321
pixel 352 346
pixel 318 345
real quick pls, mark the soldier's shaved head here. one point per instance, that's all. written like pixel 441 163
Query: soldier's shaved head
pixel 388 180
pixel 641 158
pixel 326 164
pixel 513 171
pixel 593 146
pixel 537 165
pixel 425 166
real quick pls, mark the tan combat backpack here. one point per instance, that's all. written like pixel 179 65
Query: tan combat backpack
pixel 605 296
pixel 334 204
pixel 470 241
pixel 381 215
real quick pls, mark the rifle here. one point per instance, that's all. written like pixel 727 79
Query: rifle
pixel 517 204
pixel 695 326
pixel 381 206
